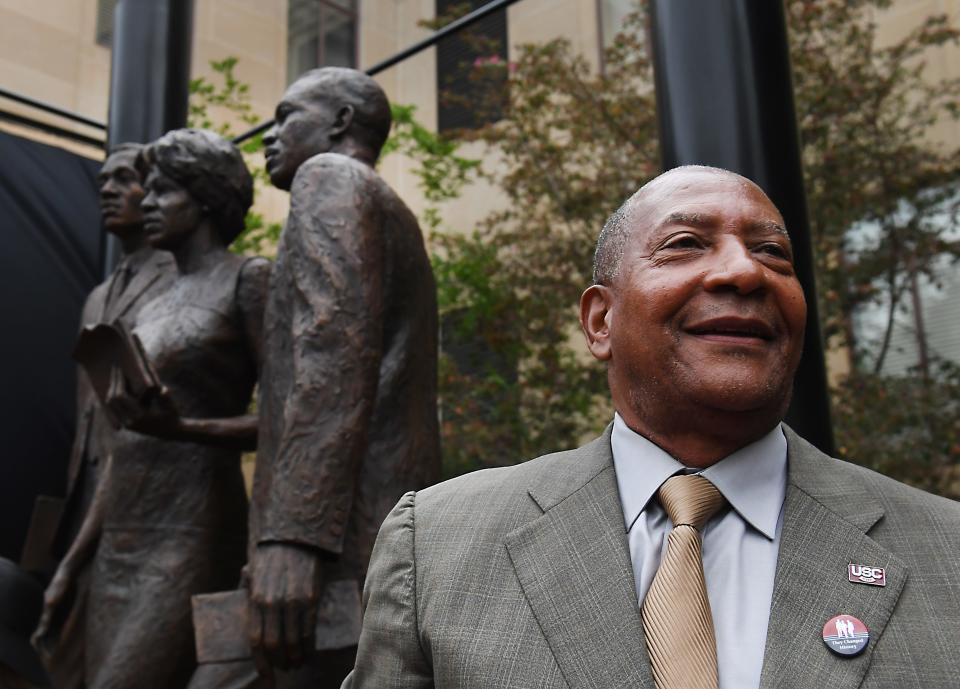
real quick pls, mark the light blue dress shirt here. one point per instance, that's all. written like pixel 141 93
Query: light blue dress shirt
pixel 740 543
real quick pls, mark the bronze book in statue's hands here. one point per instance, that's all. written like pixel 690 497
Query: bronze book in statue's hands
pixel 220 626
pixel 106 347
pixel 220 621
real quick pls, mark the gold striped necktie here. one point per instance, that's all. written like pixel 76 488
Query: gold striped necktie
pixel 676 611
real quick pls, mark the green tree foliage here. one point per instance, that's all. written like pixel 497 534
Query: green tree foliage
pixel 220 103
pixel 574 143
pixel 883 195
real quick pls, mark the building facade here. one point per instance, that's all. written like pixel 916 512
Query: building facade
pixel 58 51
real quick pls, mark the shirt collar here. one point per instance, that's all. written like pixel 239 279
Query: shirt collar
pixel 753 479
pixel 134 261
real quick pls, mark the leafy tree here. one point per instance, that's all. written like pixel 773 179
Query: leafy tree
pixel 574 143
pixel 883 196
pixel 218 103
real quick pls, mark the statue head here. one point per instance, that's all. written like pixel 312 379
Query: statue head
pixel 121 191
pixel 333 109
pixel 192 175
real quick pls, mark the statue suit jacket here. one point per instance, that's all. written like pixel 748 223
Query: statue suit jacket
pixel 521 577
pixel 348 388
pixel 92 443
pixel 93 434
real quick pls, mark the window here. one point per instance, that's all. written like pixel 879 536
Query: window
pixel 320 33
pixel 923 328
pixel 612 14
pixel 458 56
pixel 105 10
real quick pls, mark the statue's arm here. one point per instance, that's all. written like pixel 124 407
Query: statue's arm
pixel 159 419
pixel 85 543
pixel 239 432
pixel 333 265
pixel 252 300
pixel 61 589
pixel 334 255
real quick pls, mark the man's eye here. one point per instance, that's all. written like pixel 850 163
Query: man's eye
pixel 774 249
pixel 686 241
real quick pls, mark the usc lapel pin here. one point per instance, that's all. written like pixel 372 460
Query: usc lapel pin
pixel 862 574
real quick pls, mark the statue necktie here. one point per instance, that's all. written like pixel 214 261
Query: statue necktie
pixel 118 283
pixel 676 612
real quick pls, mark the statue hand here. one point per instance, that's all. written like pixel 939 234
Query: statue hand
pixel 284 592
pixel 153 413
pixel 56 595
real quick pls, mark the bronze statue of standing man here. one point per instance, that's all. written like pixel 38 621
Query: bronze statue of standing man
pixel 142 273
pixel 348 416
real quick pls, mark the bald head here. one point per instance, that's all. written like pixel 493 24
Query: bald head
pixel 339 86
pixel 329 110
pixel 638 212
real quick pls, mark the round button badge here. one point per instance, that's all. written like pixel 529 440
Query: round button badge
pixel 845 635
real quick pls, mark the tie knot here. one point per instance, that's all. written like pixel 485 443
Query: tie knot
pixel 690 499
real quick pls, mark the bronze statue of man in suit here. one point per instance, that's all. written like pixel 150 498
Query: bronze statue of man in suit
pixel 142 273
pixel 347 404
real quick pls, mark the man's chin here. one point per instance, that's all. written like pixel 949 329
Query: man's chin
pixel 280 179
pixel 771 397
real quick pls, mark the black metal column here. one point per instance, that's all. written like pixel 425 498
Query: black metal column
pixel 149 76
pixel 725 98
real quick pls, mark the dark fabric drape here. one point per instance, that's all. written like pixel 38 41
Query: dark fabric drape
pixel 49 262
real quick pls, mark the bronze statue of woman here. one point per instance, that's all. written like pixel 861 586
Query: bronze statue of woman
pixel 169 520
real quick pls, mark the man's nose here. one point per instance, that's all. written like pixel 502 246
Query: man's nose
pixel 734 267
pixel 148 202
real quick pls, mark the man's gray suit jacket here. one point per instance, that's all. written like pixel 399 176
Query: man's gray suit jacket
pixel 521 577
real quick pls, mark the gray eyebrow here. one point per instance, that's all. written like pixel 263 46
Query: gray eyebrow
pixel 692 219
pixel 772 226
pixel 704 220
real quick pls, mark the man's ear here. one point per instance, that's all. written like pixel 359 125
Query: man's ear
pixel 342 121
pixel 595 307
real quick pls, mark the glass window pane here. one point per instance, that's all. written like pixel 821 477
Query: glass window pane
pixel 339 37
pixel 303 37
pixel 345 5
pixel 612 13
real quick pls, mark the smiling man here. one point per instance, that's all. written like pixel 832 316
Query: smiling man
pixel 699 542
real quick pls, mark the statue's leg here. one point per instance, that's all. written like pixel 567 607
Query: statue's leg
pixel 139 626
pixel 325 670
pixel 240 674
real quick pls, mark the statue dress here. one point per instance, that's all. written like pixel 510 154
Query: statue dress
pixel 175 512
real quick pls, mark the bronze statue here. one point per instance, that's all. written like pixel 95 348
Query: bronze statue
pixel 169 517
pixel 141 274
pixel 347 401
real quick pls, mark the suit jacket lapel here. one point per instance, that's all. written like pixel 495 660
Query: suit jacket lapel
pixel 825 523
pixel 573 564
pixel 154 268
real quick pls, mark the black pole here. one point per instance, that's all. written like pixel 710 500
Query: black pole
pixel 52 109
pixel 725 98
pixel 149 76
